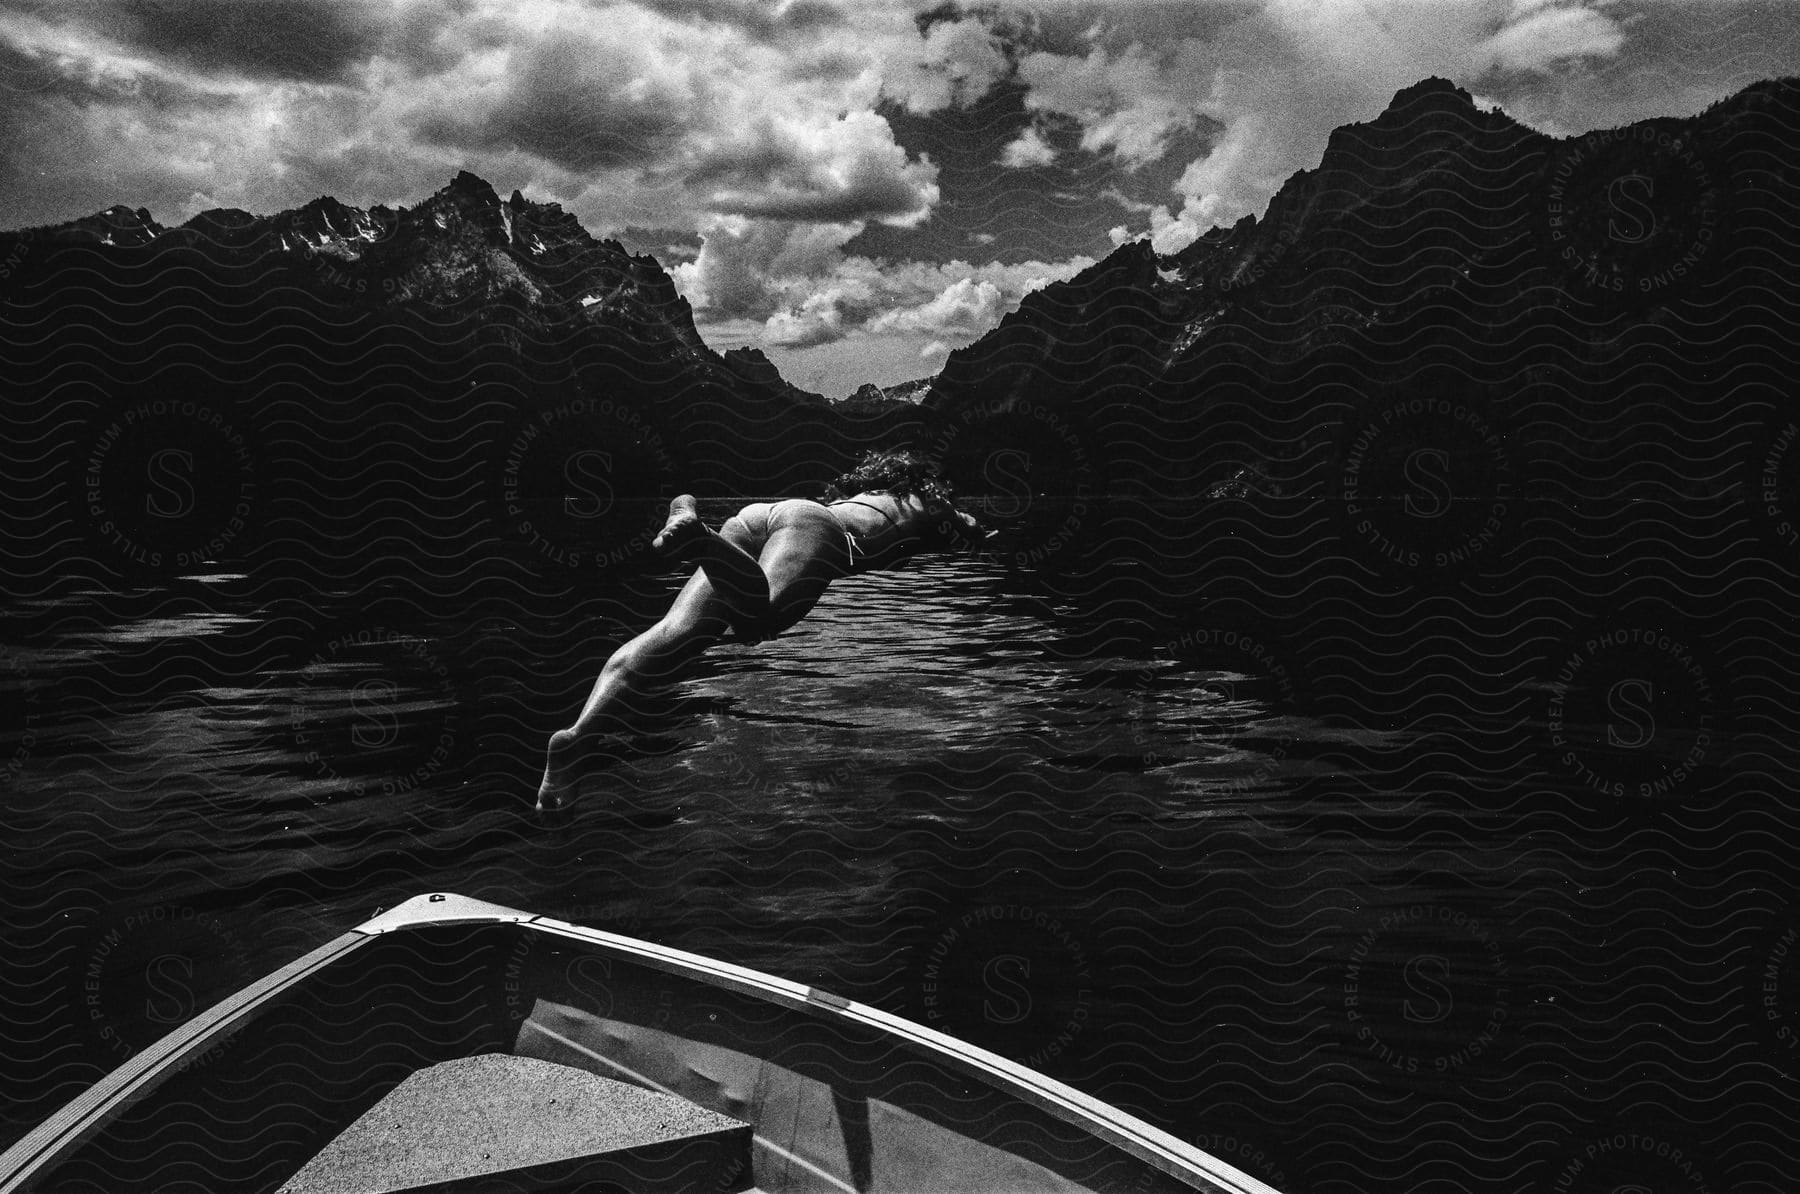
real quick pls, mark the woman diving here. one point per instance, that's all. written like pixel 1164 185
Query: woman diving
pixel 757 575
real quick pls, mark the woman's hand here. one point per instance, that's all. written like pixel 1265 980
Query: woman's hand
pixel 964 529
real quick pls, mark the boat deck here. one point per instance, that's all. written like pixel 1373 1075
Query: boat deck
pixel 498 1121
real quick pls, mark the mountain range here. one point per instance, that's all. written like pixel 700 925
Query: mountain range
pixel 1450 303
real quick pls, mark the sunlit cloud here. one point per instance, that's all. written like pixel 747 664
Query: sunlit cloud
pixel 765 131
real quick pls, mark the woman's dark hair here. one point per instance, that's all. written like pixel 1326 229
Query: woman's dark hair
pixel 899 473
pixel 902 473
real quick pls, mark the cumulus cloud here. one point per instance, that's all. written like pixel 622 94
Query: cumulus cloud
pixel 955 64
pixel 843 169
pixel 656 113
pixel 818 320
pixel 1127 102
pixel 748 269
pixel 1028 149
pixel 810 293
pixel 966 305
pixel 1276 81
pixel 665 122
pixel 1542 34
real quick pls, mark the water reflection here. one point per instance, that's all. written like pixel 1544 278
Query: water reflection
pixel 932 667
pixel 182 626
pixel 199 700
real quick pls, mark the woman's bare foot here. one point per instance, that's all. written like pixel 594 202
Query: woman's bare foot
pixel 560 772
pixel 683 527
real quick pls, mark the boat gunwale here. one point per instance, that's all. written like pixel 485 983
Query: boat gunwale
pixel 85 1114
pixel 1120 1129
pixel 89 1111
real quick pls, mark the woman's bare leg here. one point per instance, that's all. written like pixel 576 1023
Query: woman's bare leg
pixel 758 596
pixel 800 562
pixel 695 622
pixel 724 555
pixel 767 592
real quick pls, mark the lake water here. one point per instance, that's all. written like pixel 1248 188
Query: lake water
pixel 1153 860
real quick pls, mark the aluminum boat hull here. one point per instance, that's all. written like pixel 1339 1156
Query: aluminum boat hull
pixel 841 1096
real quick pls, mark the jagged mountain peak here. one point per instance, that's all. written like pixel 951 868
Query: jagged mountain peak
pixel 468 199
pixel 473 185
pixel 116 225
pixel 1436 91
pixel 221 217
pixel 1433 111
pixel 223 227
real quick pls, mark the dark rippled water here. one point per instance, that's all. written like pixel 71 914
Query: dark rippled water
pixel 1154 869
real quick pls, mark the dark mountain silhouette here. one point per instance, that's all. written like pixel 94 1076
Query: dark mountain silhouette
pixel 528 270
pixel 1450 302
pixel 872 398
pixel 429 384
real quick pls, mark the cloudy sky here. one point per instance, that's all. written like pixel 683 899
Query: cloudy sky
pixel 856 186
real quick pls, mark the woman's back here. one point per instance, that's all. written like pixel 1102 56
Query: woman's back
pixel 871 514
